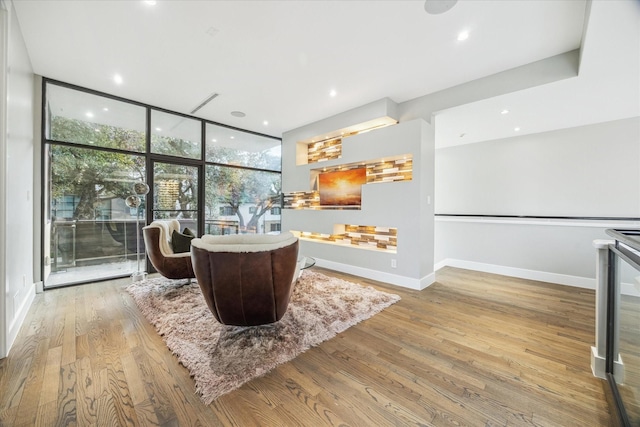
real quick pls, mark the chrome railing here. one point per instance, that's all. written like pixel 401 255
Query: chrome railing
pixel 616 354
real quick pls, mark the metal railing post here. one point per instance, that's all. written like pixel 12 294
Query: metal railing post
pixel 599 351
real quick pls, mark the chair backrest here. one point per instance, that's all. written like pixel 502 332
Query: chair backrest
pixel 244 242
pixel 166 228
pixel 246 279
pixel 157 240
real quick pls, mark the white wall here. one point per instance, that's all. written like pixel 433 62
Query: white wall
pixel 589 171
pixel 402 205
pixel 558 251
pixel 553 174
pixel 585 171
pixel 17 161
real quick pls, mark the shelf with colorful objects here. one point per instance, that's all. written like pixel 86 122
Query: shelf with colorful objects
pixel 328 146
pixel 390 169
pixel 370 237
pixel 338 186
pixel 393 165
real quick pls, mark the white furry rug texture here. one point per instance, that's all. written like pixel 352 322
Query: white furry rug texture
pixel 222 358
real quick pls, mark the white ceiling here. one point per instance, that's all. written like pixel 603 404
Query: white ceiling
pixel 279 60
pixel 607 87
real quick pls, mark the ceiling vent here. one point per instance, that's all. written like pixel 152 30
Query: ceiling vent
pixel 205 102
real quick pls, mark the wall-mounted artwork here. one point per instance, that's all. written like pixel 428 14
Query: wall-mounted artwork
pixel 342 188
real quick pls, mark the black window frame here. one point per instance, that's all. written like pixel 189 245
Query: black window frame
pixel 148 154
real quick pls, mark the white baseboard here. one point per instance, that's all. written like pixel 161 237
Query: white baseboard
pixel 598 366
pixel 381 276
pixel 20 315
pixel 522 273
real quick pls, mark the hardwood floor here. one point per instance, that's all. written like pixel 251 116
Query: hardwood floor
pixel 473 349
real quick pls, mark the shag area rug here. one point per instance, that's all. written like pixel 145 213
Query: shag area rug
pixel 222 358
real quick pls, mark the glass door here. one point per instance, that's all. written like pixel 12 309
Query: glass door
pixel 175 193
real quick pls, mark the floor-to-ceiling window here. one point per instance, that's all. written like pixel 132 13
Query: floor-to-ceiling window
pixel 246 169
pixel 212 178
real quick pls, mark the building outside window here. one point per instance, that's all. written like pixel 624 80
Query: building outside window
pixel 227 211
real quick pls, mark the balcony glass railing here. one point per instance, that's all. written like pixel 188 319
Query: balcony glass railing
pixel 88 250
pixel 618 301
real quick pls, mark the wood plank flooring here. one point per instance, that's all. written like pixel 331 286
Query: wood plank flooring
pixel 474 349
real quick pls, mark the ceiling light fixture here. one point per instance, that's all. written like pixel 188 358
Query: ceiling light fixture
pixel 238 114
pixel 150 2
pixel 503 112
pixel 436 7
pixel 517 129
pixel 159 129
pixel 266 123
pixel 89 114
pixel 333 93
pixel 105 109
pixel 463 36
pixel 117 78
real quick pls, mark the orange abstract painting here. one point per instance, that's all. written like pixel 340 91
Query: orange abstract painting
pixel 342 188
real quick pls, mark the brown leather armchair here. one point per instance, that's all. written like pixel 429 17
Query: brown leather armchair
pixel 157 241
pixel 247 279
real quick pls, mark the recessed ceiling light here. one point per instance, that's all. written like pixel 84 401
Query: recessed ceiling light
pixel 150 2
pixel 232 137
pixel 159 129
pixel 436 7
pixel 89 114
pixel 212 31
pixel 517 129
pixel 463 35
pixel 504 112
pixel 266 123
pixel 333 93
pixel 214 140
pixel 105 109
pixel 238 114
pixel 117 78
